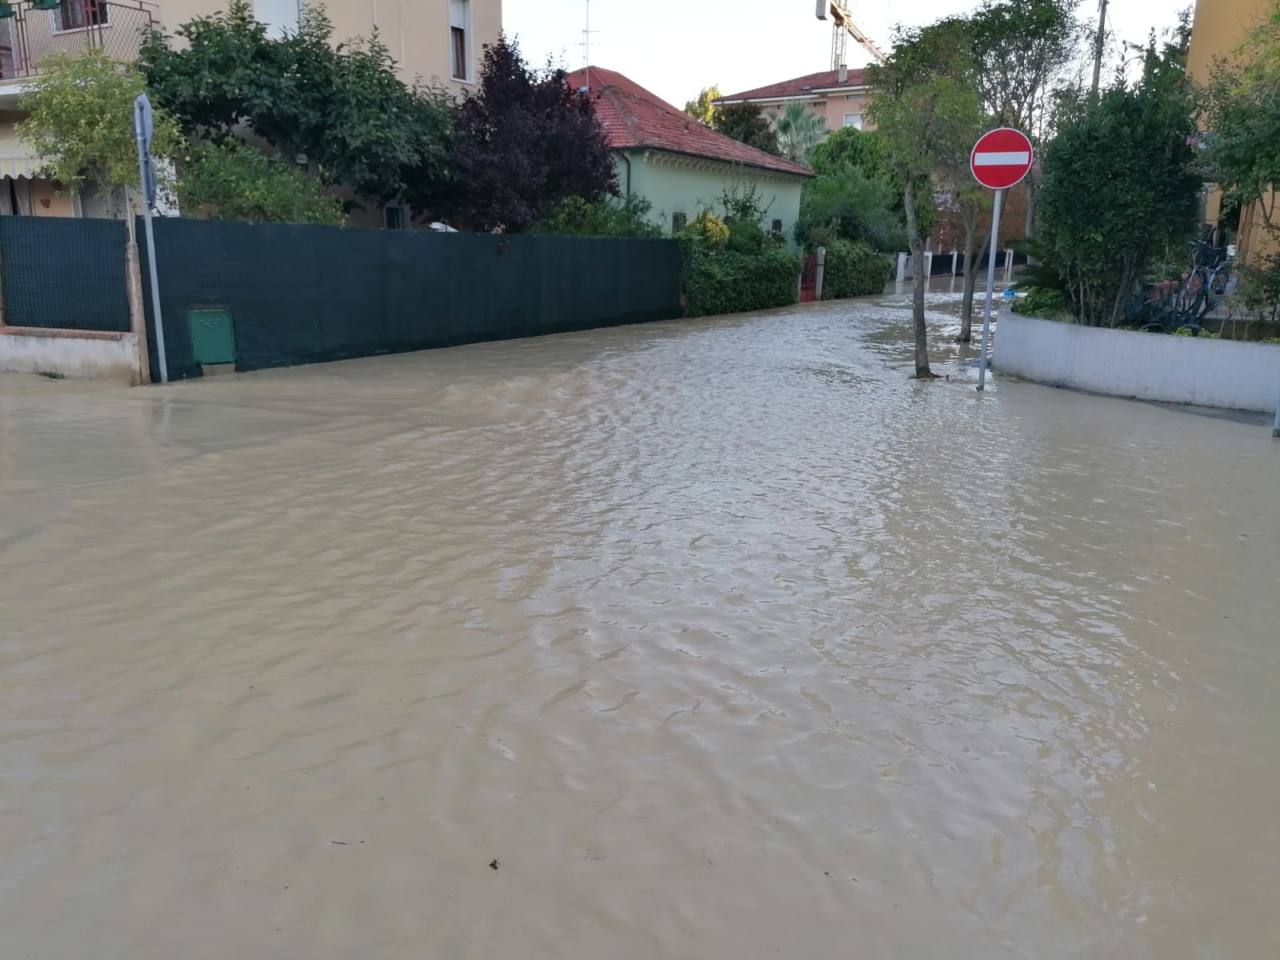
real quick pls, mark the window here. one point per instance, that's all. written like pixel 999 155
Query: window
pixel 853 120
pixel 460 39
pixel 678 221
pixel 777 228
pixel 393 217
pixel 853 96
pixel 76 14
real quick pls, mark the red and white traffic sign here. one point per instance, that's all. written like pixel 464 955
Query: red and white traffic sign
pixel 1002 158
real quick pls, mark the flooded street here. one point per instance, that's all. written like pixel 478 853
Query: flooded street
pixel 708 639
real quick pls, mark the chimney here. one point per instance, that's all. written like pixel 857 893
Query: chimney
pixel 842 75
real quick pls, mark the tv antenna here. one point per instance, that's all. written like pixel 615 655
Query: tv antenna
pixel 586 43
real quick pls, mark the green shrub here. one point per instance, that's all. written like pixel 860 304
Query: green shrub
pixel 232 181
pixel 608 217
pixel 719 280
pixel 1048 303
pixel 854 270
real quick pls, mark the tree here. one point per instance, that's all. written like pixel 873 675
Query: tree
pixel 1242 112
pixel 523 143
pixel 747 123
pixel 80 120
pixel 848 204
pixel 926 107
pixel 342 109
pixel 868 151
pixel 232 181
pixel 1020 48
pixel 1128 151
pixel 703 108
pixel 799 131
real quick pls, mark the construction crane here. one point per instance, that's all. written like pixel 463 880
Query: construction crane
pixel 843 28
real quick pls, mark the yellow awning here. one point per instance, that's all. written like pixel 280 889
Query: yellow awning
pixel 17 158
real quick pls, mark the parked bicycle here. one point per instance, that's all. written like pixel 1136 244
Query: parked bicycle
pixel 1186 305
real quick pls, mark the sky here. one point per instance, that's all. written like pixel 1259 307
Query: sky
pixel 677 47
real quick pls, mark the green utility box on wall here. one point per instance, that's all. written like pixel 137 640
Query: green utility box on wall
pixel 213 336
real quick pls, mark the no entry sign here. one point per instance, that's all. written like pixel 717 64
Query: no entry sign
pixel 1001 159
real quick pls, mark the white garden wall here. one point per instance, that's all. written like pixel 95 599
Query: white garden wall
pixel 71 353
pixel 1148 366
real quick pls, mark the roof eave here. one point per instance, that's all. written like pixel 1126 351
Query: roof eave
pixel 808 174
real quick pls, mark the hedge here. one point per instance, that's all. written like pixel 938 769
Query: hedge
pixel 854 270
pixel 718 280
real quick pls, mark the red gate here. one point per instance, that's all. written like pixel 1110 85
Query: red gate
pixel 809 279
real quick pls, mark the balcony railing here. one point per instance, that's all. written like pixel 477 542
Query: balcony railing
pixel 34 29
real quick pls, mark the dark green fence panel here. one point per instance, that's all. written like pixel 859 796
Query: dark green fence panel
pixel 64 272
pixel 301 294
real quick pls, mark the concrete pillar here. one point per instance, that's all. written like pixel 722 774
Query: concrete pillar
pixel 137 313
pixel 820 274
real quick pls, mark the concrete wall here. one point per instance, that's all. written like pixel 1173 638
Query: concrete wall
pixel 66 353
pixel 1148 366
pixel 676 184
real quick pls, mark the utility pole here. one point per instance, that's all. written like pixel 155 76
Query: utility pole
pixel 1099 43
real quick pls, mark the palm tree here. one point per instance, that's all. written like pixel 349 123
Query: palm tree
pixel 799 131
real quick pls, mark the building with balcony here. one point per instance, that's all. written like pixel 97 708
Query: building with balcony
pixel 437 40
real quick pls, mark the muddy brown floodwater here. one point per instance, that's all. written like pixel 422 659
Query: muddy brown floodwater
pixel 716 639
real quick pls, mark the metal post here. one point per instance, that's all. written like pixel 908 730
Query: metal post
pixel 140 135
pixel 1275 428
pixel 991 284
pixel 1099 44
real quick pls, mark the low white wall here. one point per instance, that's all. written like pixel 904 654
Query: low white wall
pixel 70 354
pixel 1148 366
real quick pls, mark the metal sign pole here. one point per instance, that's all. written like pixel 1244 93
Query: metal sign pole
pixel 991 284
pixel 142 134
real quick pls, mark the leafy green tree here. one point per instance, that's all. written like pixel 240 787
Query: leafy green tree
pixel 232 181
pixel 608 217
pixel 523 143
pixel 1021 49
pixel 80 120
pixel 868 153
pixel 849 204
pixel 341 109
pixel 703 108
pixel 799 131
pixel 747 123
pixel 1128 152
pixel 1241 110
pixel 926 107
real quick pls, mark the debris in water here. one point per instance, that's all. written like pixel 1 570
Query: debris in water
pixel 493 864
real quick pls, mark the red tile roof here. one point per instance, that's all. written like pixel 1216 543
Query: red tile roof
pixel 800 86
pixel 633 118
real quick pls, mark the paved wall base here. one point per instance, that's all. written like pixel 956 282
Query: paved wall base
pixel 1148 366
pixel 78 354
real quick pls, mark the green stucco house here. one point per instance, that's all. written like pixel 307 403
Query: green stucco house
pixel 680 165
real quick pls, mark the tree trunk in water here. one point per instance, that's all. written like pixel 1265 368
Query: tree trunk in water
pixel 970 281
pixel 1031 206
pixel 918 284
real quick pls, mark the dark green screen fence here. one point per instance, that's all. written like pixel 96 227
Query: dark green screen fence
pixel 64 272
pixel 300 294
